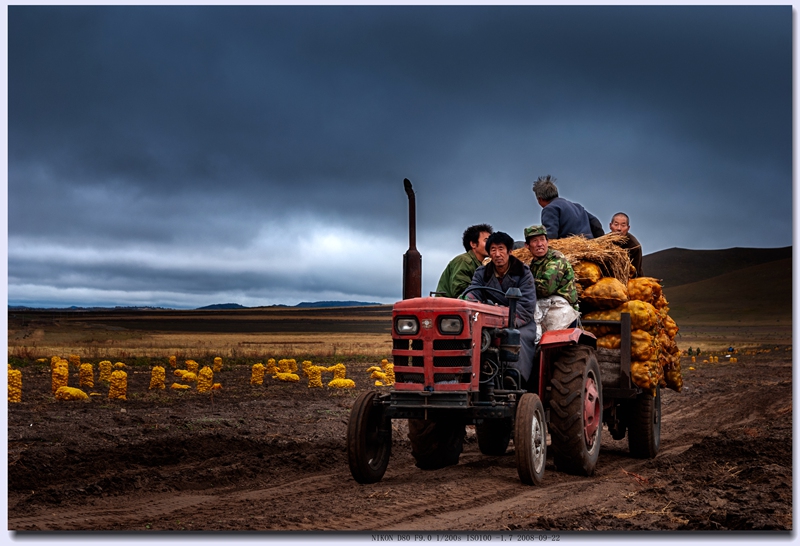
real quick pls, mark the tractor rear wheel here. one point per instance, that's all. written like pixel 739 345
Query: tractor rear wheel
pixel 369 440
pixel 494 436
pixel 644 427
pixel 577 403
pixel 530 439
pixel 436 443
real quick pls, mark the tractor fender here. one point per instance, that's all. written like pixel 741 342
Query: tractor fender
pixel 570 336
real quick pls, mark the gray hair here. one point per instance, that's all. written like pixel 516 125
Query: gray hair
pixel 627 220
pixel 545 188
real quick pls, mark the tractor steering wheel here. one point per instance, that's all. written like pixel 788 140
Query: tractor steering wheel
pixel 483 288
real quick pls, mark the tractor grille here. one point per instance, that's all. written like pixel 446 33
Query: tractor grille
pixel 463 361
pixel 402 377
pixel 452 344
pixel 409 361
pixel 451 378
pixel 450 361
pixel 407 344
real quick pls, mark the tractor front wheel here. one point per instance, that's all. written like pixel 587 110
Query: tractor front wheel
pixel 530 439
pixel 369 440
pixel 436 443
pixel 577 404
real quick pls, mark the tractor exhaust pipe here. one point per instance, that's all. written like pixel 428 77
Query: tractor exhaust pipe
pixel 412 259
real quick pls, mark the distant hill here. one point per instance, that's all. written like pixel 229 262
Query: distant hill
pixel 725 286
pixel 678 266
pixel 307 304
pixel 122 308
pixel 336 304
pixel 761 293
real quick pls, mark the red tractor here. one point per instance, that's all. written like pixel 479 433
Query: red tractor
pixel 453 367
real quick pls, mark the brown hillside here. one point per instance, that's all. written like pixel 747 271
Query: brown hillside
pixel 677 266
pixel 760 293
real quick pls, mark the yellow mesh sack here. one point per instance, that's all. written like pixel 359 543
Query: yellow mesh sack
pixel 587 273
pixel 642 374
pixel 60 375
pixel 157 376
pixel 105 370
pixel 314 374
pixel 661 303
pixel 14 385
pixel 643 346
pixel 643 315
pixel 605 314
pixel 670 326
pixel 607 293
pixel 86 375
pixel 257 374
pixel 205 379
pixel 610 341
pixel 118 389
pixel 70 393
pixel 644 289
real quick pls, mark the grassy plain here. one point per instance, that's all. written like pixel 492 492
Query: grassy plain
pixel 253 334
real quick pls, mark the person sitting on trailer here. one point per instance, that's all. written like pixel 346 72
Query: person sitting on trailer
pixel 556 294
pixel 620 223
pixel 457 276
pixel 551 270
pixel 503 272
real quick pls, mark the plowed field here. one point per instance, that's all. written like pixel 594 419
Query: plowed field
pixel 273 457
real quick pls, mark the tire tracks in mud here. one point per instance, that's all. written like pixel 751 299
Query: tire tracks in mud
pixel 105 510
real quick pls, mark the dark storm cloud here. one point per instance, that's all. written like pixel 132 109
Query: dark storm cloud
pixel 243 133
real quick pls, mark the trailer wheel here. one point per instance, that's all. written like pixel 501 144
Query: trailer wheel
pixel 644 428
pixel 530 439
pixel 369 440
pixel 436 443
pixel 494 436
pixel 577 403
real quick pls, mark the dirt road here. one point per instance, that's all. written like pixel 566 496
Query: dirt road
pixel 273 458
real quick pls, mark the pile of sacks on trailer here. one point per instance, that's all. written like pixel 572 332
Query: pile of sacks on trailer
pixel 605 291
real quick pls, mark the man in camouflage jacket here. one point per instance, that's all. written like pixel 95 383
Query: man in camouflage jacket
pixel 551 271
pixel 457 276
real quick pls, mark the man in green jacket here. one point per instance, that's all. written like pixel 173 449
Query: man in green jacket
pixel 551 271
pixel 457 276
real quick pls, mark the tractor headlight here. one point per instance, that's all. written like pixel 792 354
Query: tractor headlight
pixel 451 325
pixel 406 326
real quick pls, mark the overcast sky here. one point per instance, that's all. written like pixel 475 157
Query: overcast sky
pixel 185 156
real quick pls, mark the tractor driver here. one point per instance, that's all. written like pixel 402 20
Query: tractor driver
pixel 503 272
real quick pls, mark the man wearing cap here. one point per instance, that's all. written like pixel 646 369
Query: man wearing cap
pixel 620 223
pixel 551 271
pixel 457 276
pixel 563 218
pixel 503 272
